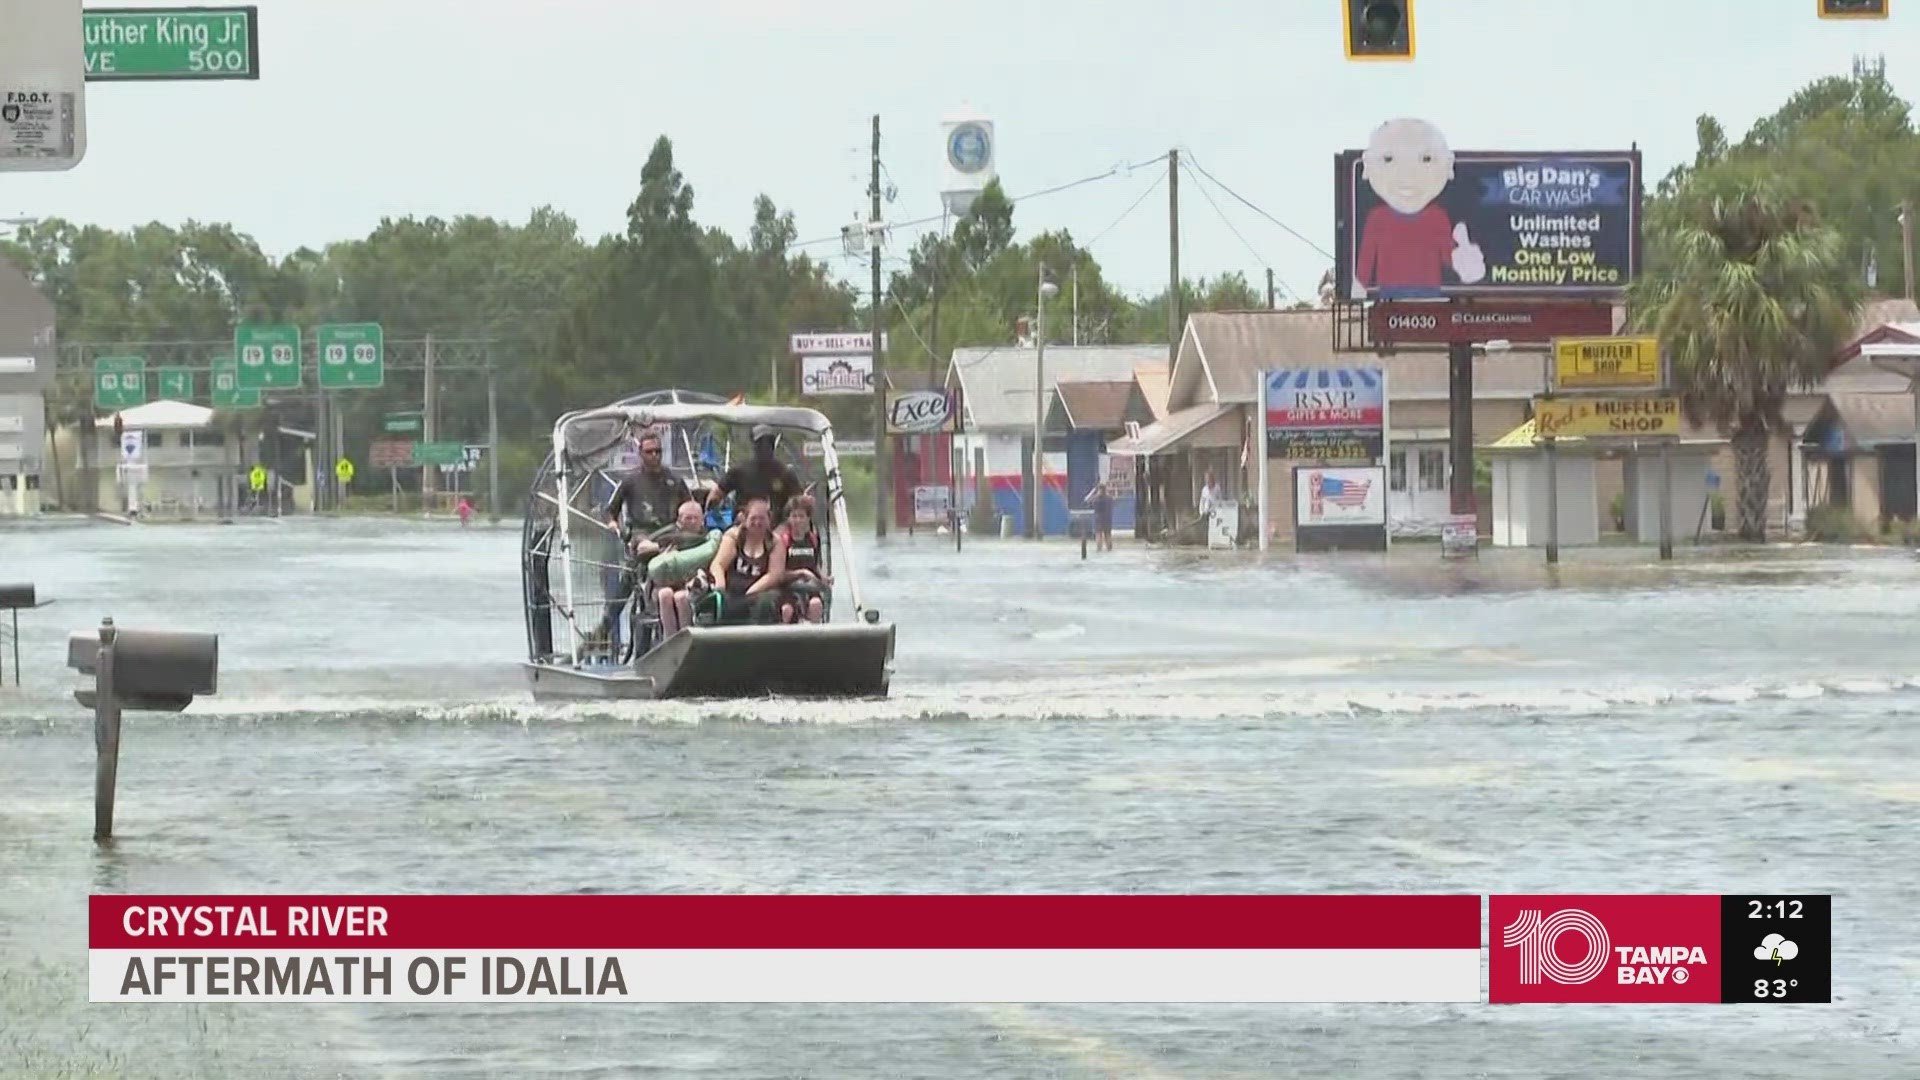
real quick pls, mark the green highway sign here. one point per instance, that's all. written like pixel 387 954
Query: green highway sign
pixel 351 355
pixel 438 453
pixel 126 44
pixel 400 423
pixel 119 382
pixel 176 384
pixel 269 357
pixel 227 393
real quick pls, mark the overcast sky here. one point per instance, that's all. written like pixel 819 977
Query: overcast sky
pixel 370 108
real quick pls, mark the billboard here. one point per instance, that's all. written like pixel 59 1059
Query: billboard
pixel 1522 322
pixel 836 374
pixel 1340 496
pixel 1415 218
pixel 1325 413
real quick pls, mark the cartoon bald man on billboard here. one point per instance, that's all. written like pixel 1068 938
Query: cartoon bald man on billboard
pixel 1407 244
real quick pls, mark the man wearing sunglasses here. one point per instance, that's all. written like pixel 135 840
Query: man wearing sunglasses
pixel 644 503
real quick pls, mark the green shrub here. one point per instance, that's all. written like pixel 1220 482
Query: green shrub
pixel 1835 525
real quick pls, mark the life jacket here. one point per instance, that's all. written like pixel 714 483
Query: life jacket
pixel 803 552
pixel 747 569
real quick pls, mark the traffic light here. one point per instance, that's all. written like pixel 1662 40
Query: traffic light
pixel 1380 29
pixel 1853 9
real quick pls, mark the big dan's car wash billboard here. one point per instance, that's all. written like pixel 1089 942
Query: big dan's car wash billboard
pixel 1415 218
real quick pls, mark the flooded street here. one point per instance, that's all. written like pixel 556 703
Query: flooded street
pixel 1143 721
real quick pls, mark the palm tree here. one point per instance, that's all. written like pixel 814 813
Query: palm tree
pixel 1751 296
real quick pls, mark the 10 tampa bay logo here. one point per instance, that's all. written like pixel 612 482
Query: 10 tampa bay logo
pixel 1537 938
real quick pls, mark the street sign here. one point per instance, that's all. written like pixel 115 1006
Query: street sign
pixel 437 453
pixel 227 393
pixel 400 423
pixel 269 357
pixel 1606 363
pixel 119 382
pixel 257 478
pixel 197 43
pixel 352 355
pixel 343 469
pixel 390 453
pixel 1606 418
pixel 176 384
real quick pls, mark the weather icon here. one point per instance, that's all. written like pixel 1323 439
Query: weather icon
pixel 1776 948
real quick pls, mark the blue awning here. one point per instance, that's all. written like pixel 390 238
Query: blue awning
pixel 1326 378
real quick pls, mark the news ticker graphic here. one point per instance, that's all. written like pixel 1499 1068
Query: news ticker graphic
pixel 1047 948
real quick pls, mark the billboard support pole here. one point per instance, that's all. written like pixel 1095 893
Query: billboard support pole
pixel 1386 451
pixel 1553 467
pixel 1260 500
pixel 1666 499
pixel 1460 429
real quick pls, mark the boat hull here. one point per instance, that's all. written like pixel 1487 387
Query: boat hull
pixel 806 660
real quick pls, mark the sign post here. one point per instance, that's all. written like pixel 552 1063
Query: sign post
pixel 352 356
pixel 269 357
pixel 119 382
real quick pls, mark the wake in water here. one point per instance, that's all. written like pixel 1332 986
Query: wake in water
pixel 1174 697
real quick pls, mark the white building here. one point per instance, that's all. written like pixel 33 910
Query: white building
pixel 27 349
pixel 996 387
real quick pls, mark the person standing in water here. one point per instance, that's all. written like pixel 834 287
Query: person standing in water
pixel 465 510
pixel 1101 499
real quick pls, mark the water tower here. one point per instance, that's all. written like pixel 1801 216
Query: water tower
pixel 967 147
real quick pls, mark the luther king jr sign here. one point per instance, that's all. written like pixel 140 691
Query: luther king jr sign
pixel 1416 218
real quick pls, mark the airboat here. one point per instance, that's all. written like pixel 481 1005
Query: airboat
pixel 572 560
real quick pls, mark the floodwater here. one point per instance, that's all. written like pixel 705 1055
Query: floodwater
pixel 1138 721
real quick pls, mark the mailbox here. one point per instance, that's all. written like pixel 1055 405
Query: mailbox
pixel 165 662
pixel 15 596
pixel 153 670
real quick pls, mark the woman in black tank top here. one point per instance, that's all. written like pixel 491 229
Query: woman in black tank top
pixel 744 590
pixel 797 566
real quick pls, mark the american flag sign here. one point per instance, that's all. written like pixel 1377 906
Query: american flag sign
pixel 1348 493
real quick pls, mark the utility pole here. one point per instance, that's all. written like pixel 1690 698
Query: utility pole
pixel 426 433
pixel 1076 302
pixel 1906 242
pixel 1270 303
pixel 933 330
pixel 493 447
pixel 1034 501
pixel 1174 322
pixel 881 449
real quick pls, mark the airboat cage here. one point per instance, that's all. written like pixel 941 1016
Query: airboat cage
pixel 565 530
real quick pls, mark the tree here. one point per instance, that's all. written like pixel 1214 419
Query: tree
pixel 986 229
pixel 1752 297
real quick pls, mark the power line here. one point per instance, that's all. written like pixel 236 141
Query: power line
pixel 1243 200
pixel 1228 222
pixel 1116 170
pixel 1158 179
